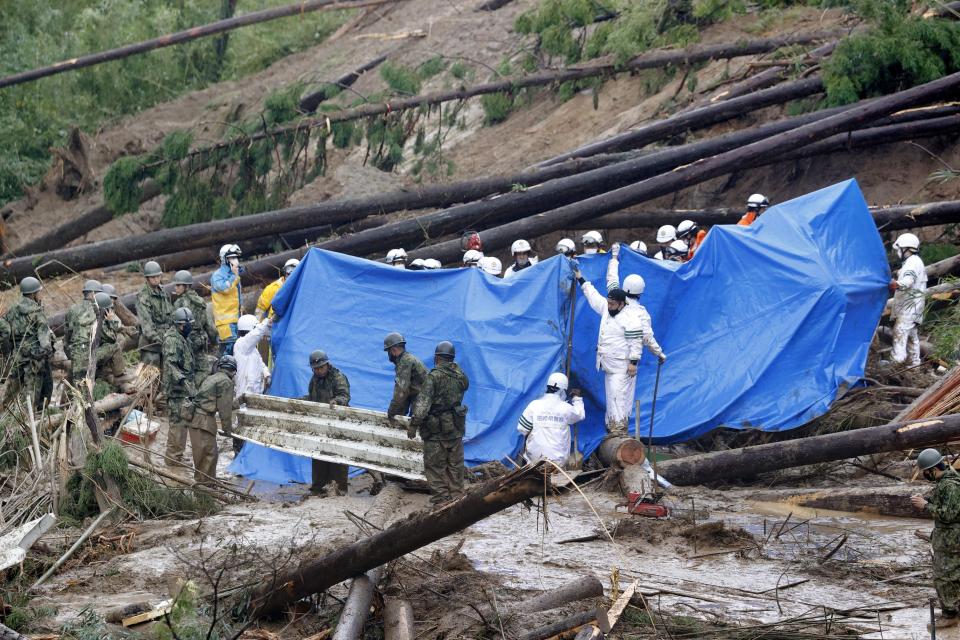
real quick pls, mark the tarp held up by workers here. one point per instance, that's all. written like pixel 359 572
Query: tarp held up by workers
pixel 761 329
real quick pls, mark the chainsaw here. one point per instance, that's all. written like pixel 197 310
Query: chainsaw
pixel 645 504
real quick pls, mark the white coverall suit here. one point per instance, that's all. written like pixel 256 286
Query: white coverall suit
pixel 621 341
pixel 252 371
pixel 908 303
pixel 546 424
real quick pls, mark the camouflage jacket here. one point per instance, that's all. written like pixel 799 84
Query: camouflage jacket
pixel 179 366
pixel 78 326
pixel 30 335
pixel 204 333
pixel 442 393
pixel 409 379
pixel 155 313
pixel 112 331
pixel 6 338
pixel 334 386
pixel 216 396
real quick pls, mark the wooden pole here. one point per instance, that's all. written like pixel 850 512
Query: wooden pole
pixel 220 26
pixel 405 536
pixel 747 462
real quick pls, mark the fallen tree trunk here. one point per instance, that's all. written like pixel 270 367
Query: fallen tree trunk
pixel 401 538
pixel 208 234
pixel 765 151
pixel 79 226
pixel 621 451
pixel 892 500
pixel 649 60
pixel 747 462
pixel 571 623
pixel 310 102
pixel 356 609
pixel 769 77
pixel 203 31
pixel 398 619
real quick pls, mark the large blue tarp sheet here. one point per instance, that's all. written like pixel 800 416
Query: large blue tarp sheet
pixel 761 329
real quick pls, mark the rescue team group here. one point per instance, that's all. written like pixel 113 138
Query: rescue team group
pixel 176 333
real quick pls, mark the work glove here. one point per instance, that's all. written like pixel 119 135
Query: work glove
pixel 412 430
pixel 631 369
pixel 615 250
pixel 575 267
pixel 662 358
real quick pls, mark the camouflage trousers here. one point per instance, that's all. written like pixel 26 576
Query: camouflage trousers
pixel 203 441
pixel 443 466
pixel 180 412
pixel 946 569
pixel 31 378
pixel 109 361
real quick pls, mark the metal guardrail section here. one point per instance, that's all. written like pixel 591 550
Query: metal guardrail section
pixel 343 435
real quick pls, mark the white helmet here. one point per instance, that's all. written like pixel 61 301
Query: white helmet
pixel 566 247
pixel 633 284
pixel 396 255
pixel 757 201
pixel 557 380
pixel 639 246
pixel 290 265
pixel 417 264
pixel 431 263
pixel 677 250
pixel 685 228
pixel 906 241
pixel 491 265
pixel 666 233
pixel 592 237
pixel 229 251
pixel 246 323
pixel 471 257
pixel 520 246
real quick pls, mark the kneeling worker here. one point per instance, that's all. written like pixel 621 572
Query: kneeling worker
pixel 441 419
pixel 214 396
pixel 546 421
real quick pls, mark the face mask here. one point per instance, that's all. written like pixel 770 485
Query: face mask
pixel 589 250
pixel 928 475
pixel 185 329
pixel 522 262
pixel 392 357
pixel 615 312
pixel 399 265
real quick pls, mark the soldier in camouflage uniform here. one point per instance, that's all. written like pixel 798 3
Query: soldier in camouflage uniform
pixel 410 375
pixel 204 333
pixel 943 504
pixel 328 384
pixel 154 311
pixel 31 345
pixel 214 396
pixel 440 417
pixel 178 383
pixel 110 350
pixel 78 330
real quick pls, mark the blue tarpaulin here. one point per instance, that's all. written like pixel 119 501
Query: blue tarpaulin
pixel 761 329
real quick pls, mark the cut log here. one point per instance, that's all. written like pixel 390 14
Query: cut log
pixel 621 452
pixel 310 102
pixel 749 461
pixel 405 536
pixel 203 31
pixel 893 500
pixel 754 154
pixel 397 619
pixel 357 607
pixel 571 623
pixel 6 633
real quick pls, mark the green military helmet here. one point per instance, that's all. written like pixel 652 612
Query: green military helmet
pixel 928 459
pixel 111 291
pixel 92 286
pixel 152 269
pixel 104 301
pixel 30 285
pixel 183 277
pixel 393 339
pixel 182 315
pixel 445 350
pixel 227 363
pixel 318 358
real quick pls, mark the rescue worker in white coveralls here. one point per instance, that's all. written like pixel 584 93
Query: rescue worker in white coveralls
pixel 252 374
pixel 546 421
pixel 625 328
pixel 908 300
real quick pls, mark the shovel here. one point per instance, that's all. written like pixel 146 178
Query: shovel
pixel 574 458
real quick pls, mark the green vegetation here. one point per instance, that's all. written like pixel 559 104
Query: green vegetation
pixel 39 115
pixel 496 107
pixel 899 51
pixel 141 495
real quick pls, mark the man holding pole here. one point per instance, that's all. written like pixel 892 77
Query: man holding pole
pixel 625 328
